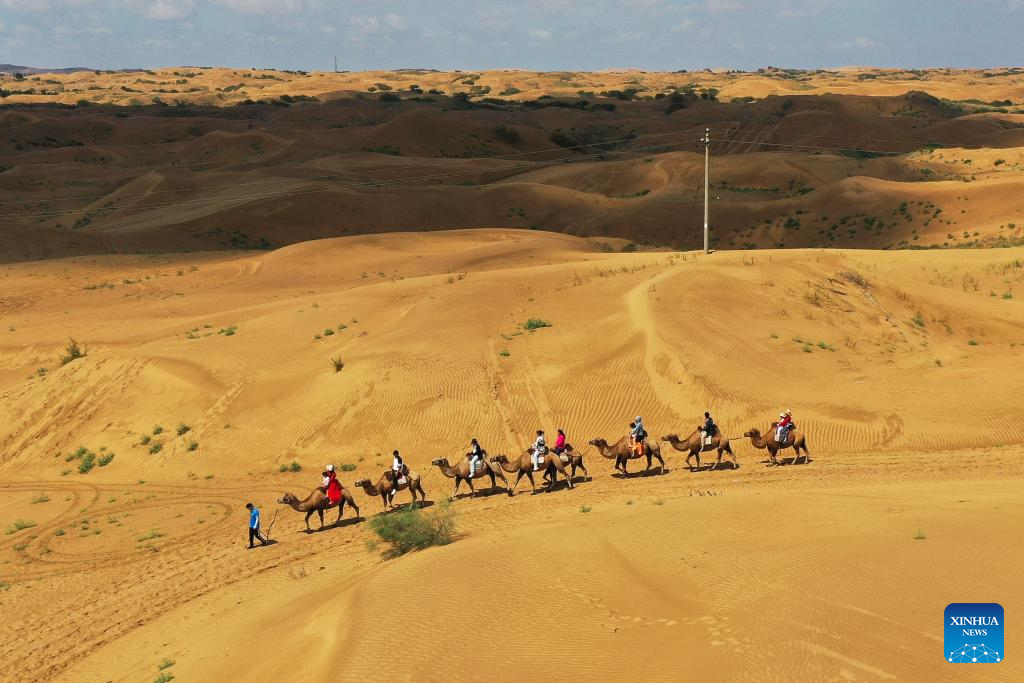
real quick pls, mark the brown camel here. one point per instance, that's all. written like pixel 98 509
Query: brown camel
pixel 317 502
pixel 694 444
pixel 571 457
pixel 622 453
pixel 523 465
pixel 386 489
pixel 795 440
pixel 461 473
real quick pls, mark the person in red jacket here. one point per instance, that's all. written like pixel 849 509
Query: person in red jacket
pixel 785 423
pixel 331 486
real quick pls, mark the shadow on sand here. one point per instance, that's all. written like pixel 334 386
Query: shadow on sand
pixel 351 521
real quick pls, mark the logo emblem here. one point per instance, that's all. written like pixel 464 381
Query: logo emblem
pixel 974 633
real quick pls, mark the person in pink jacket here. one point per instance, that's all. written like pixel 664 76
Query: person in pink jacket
pixel 560 442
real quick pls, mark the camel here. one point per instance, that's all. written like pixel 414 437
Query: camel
pixel 622 453
pixel 694 444
pixel 571 457
pixel 384 486
pixel 796 440
pixel 461 472
pixel 523 465
pixel 317 502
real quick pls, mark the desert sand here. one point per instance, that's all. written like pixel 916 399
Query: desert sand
pixel 902 367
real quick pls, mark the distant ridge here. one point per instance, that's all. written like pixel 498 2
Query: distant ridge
pixel 29 70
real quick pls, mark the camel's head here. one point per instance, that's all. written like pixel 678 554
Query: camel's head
pixel 361 482
pixel 669 438
pixel 500 458
pixel 439 461
pixel 288 499
pixel 600 443
pixel 774 425
pixel 753 432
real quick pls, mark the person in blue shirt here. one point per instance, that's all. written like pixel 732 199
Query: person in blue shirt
pixel 254 525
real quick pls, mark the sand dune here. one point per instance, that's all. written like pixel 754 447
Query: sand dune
pixel 799 159
pixel 898 365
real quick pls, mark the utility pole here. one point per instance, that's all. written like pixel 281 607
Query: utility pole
pixel 335 64
pixel 707 143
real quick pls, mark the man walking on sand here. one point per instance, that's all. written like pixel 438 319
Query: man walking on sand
pixel 254 525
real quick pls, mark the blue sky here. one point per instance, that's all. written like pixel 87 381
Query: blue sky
pixel 530 34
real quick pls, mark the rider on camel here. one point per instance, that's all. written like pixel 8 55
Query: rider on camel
pixel 637 435
pixel 331 486
pixel 397 469
pixel 785 424
pixel 709 428
pixel 476 454
pixel 560 442
pixel 540 449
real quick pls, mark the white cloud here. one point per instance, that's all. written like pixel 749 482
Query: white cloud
pixel 684 25
pixel 723 5
pixel 859 43
pixel 395 21
pixel 262 6
pixel 803 8
pixel 540 34
pixel 169 10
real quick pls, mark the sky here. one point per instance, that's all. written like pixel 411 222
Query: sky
pixel 543 35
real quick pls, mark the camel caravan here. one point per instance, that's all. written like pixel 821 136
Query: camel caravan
pixel 561 460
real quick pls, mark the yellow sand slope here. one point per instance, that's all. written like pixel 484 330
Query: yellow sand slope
pixel 899 366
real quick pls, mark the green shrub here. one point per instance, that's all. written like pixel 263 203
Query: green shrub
pixel 18 525
pixel 144 441
pixel 918 319
pixel 105 459
pixel 329 332
pixel 183 428
pixel 87 463
pixel 585 508
pixel 73 351
pixel 972 342
pixel 157 430
pixel 290 467
pixel 504 353
pixel 347 467
pixel 338 364
pixel 192 445
pixel 535 324
pixel 41 498
pixel 156 447
pixel 411 529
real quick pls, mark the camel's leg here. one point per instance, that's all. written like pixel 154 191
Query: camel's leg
pixel 384 499
pixel 529 474
pixel 308 515
pixel 503 479
pixel 341 510
pixel 719 461
pixel 565 474
pixel 660 461
pixel 518 477
pixel 586 474
pixel 458 480
pixel 469 483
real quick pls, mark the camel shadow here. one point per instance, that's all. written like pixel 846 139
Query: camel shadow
pixel 489 491
pixel 418 505
pixel 351 521
pixel 788 461
pixel 653 472
pixel 719 466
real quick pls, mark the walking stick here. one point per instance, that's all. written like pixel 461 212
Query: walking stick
pixel 269 528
